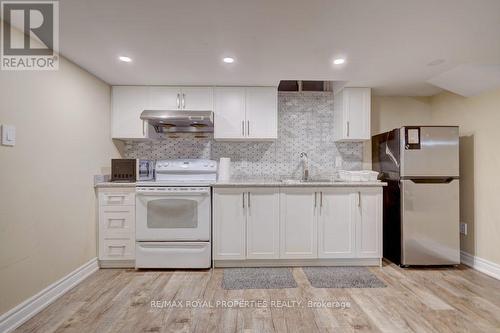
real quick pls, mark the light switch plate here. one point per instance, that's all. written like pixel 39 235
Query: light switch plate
pixel 8 135
pixel 463 228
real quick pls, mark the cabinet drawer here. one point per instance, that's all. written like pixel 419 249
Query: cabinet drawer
pixel 117 222
pixel 110 198
pixel 117 249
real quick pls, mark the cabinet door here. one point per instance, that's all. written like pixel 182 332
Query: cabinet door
pixel 298 224
pixel 369 225
pixel 263 223
pixel 357 113
pixel 352 107
pixel 197 98
pixel 262 112
pixel 336 224
pixel 165 98
pixel 229 122
pixel 128 102
pixel 229 224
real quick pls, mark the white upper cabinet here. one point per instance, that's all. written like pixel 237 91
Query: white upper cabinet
pixel 197 98
pixel 352 107
pixel 127 104
pixel 181 98
pixel 229 119
pixel 246 113
pixel 261 113
pixel 164 98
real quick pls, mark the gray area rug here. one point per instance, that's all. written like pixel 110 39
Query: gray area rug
pixel 342 277
pixel 258 278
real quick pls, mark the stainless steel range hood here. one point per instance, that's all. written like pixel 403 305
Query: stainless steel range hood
pixel 165 121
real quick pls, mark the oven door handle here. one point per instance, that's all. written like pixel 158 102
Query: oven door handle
pixel 173 193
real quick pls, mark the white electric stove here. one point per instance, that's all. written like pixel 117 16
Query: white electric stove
pixel 173 215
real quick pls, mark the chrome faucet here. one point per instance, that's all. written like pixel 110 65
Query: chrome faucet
pixel 305 164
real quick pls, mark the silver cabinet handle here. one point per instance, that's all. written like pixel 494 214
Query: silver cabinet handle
pixel 248 127
pixel 243 199
pixel 320 202
pixel 248 194
pixel 183 101
pixel 315 195
pixel 348 129
pixel 178 101
pixel 144 127
pixel 243 127
pixel 359 199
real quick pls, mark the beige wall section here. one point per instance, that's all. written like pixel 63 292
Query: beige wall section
pixel 391 112
pixel 479 120
pixel 47 206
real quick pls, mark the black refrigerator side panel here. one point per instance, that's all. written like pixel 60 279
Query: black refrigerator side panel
pixel 386 154
pixel 392 221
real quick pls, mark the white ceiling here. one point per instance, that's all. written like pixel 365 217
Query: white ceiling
pixel 387 43
pixel 468 79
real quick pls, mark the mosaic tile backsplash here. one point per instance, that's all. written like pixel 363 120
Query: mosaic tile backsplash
pixel 305 124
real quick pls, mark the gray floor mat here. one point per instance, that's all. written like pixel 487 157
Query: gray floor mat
pixel 342 277
pixel 258 278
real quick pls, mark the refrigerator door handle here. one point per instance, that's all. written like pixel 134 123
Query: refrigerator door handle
pixel 445 180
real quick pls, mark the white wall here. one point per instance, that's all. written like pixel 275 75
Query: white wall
pixel 388 113
pixel 47 206
pixel 479 121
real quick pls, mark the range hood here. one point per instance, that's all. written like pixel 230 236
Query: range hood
pixel 165 121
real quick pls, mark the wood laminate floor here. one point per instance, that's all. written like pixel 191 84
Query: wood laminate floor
pixel 415 300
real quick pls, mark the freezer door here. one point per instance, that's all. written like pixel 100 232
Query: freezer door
pixel 429 151
pixel 430 222
pixel 386 154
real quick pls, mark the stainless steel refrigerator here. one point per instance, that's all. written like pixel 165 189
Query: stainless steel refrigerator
pixel 421 202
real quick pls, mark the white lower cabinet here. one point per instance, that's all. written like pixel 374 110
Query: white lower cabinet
pixel 229 224
pixel 369 223
pixel 116 226
pixel 246 223
pixel 298 224
pixel 337 224
pixel 263 223
pixel 350 223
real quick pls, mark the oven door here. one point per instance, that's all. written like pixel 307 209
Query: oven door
pixel 173 214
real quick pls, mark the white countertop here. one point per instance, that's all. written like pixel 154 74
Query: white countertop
pixel 263 182
pixel 115 184
pixel 240 182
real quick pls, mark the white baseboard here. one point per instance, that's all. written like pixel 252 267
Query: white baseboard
pixel 485 266
pixel 27 309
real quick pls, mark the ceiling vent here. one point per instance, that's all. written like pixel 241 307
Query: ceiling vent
pixel 300 86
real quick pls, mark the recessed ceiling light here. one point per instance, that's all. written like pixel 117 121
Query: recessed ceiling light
pixel 228 60
pixel 125 59
pixel 339 61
